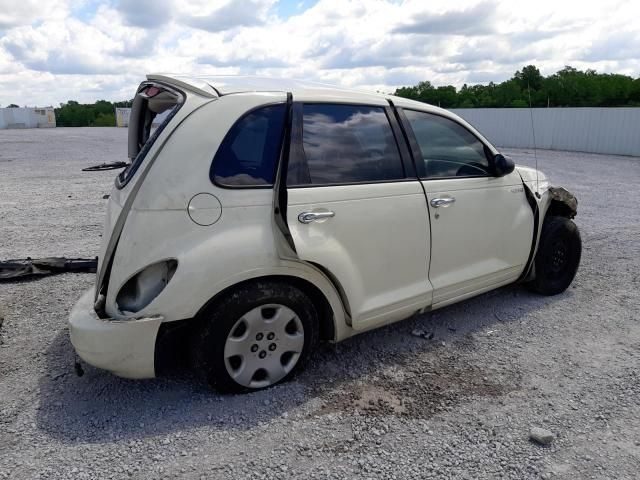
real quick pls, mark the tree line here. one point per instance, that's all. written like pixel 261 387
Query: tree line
pixel 99 114
pixel 568 87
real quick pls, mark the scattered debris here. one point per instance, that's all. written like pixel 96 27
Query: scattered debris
pixel 422 334
pixel 29 267
pixel 77 367
pixel 541 436
pixel 106 166
pixel 105 196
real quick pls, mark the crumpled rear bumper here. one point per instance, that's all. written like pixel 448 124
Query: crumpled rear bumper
pixel 123 347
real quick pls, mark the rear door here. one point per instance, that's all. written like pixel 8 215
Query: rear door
pixel 356 209
pixel 481 224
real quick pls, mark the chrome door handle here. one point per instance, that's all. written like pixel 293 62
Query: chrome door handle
pixel 442 202
pixel 308 217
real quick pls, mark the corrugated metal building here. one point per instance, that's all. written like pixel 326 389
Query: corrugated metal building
pixel 27 117
pixel 595 130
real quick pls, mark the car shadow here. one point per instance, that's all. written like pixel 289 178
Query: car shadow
pixel 99 407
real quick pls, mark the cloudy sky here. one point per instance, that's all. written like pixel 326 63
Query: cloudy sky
pixel 52 51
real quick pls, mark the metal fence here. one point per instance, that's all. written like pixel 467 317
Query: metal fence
pixel 596 130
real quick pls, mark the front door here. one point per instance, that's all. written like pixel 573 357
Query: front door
pixel 355 211
pixel 481 225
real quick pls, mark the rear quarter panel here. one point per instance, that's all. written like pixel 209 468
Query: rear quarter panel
pixel 239 246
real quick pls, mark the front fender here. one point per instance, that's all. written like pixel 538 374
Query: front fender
pixel 545 201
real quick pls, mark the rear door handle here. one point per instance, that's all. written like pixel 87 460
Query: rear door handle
pixel 442 202
pixel 308 217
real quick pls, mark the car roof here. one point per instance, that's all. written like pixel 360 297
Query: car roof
pixel 219 85
pixel 213 86
pixel 229 84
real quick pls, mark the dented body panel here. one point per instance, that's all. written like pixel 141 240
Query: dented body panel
pixel 124 347
pixel 545 200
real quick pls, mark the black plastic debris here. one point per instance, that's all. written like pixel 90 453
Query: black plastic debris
pixel 36 267
pixel 106 166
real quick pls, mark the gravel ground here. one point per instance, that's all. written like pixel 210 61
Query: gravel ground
pixel 386 404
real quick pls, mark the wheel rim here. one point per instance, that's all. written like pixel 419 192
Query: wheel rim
pixel 263 346
pixel 557 259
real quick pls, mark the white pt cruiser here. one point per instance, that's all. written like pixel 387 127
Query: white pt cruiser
pixel 263 216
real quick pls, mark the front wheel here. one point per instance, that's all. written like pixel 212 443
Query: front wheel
pixel 256 337
pixel 558 256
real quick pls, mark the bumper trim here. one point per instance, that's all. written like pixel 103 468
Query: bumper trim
pixel 123 347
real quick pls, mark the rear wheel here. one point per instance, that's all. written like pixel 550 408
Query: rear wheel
pixel 256 337
pixel 558 256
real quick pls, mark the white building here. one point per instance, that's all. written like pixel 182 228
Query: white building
pixel 27 117
pixel 122 117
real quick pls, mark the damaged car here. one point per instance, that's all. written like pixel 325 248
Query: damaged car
pixel 264 216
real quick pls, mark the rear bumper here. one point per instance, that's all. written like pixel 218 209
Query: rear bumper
pixel 123 347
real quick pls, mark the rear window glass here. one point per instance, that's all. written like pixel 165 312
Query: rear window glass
pixel 249 153
pixel 153 107
pixel 349 144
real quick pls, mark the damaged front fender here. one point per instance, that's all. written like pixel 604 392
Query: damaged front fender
pixel 556 201
pixel 562 203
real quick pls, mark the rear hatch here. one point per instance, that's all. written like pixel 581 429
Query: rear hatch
pixel 158 107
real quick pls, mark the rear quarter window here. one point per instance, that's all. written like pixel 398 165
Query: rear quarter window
pixel 248 155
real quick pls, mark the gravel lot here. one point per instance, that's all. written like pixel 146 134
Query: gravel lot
pixel 383 405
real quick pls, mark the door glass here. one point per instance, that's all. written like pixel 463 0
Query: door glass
pixel 448 149
pixel 349 144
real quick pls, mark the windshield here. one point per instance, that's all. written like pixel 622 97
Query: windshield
pixel 153 107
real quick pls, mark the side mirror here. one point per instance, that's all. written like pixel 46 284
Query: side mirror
pixel 503 165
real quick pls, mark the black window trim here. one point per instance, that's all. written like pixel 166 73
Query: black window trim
pixel 405 155
pixel 414 147
pixel 297 126
pixel 269 186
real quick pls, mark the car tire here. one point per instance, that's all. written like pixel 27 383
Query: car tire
pixel 558 256
pixel 259 335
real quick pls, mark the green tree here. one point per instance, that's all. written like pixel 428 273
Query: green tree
pixel 99 114
pixel 529 77
pixel 567 87
pixel 105 120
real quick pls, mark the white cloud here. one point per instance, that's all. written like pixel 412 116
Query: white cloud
pixel 221 16
pixel 49 53
pixel 146 13
pixel 14 13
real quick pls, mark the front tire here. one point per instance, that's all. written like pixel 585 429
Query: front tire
pixel 256 337
pixel 558 256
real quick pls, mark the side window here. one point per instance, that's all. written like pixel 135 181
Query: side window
pixel 349 144
pixel 249 153
pixel 448 149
